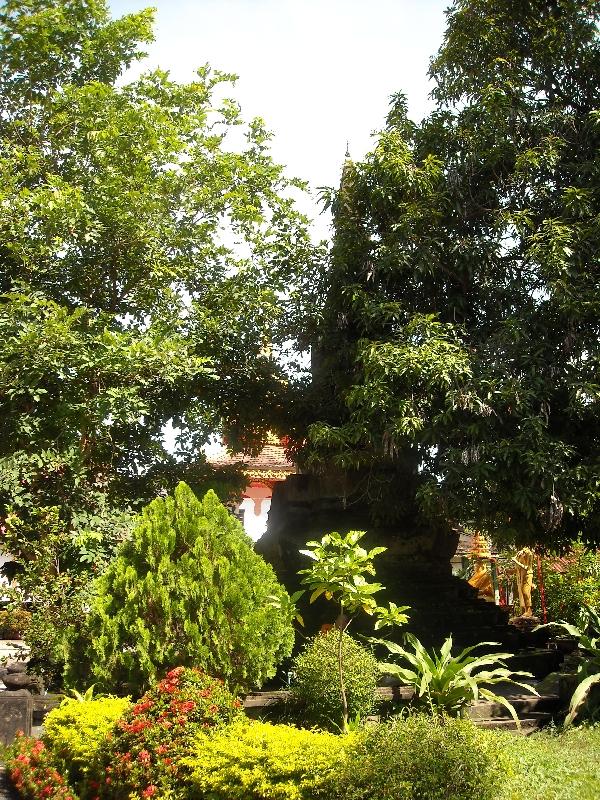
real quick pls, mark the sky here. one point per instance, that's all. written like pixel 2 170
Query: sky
pixel 320 72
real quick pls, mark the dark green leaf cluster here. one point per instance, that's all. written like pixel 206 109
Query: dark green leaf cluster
pixel 457 364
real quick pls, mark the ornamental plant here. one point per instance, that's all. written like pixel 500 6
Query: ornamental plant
pixel 187 589
pixel 31 770
pixel 75 731
pixel 315 689
pixel 141 758
pixel 338 572
pixel 445 684
pixel 257 760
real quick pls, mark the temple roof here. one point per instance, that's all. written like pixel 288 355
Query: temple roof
pixel 465 545
pixel 270 464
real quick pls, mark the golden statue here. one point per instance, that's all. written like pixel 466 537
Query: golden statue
pixel 482 581
pixel 524 562
pixel 481 578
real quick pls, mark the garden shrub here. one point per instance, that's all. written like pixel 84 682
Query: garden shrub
pixel 32 771
pixel 13 623
pixel 142 756
pixel 420 758
pixel 186 589
pixel 570 583
pixel 75 731
pixel 260 761
pixel 316 689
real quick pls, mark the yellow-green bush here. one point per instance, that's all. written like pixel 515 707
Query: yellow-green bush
pixel 259 761
pixel 74 731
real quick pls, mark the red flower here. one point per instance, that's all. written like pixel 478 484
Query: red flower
pixel 141 707
pixel 175 673
pixel 149 791
pixel 144 757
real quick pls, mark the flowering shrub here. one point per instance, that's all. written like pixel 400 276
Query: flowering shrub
pixel 30 768
pixel 141 758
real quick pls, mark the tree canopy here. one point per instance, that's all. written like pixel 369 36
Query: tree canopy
pixel 458 357
pixel 149 247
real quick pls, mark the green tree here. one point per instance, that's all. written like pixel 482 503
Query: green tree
pixel 186 590
pixel 338 572
pixel 146 264
pixel 458 357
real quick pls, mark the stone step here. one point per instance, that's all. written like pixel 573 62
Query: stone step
pixel 524 705
pixel 540 662
pixel 527 725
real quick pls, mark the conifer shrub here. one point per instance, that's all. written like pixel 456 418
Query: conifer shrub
pixel 142 756
pixel 315 692
pixel 186 589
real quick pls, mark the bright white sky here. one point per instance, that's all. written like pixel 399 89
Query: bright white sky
pixel 320 72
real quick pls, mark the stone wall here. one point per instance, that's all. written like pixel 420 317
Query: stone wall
pixel 415 569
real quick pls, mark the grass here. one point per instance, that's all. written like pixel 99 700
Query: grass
pixel 552 765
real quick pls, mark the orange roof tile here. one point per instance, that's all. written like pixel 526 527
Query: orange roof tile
pixel 270 464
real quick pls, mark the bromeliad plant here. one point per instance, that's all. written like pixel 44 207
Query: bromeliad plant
pixel 338 572
pixel 445 684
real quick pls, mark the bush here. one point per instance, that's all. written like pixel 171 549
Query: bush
pixel 13 623
pixel 142 757
pixel 75 731
pixel 260 761
pixel 316 689
pixel 187 589
pixel 575 586
pixel 420 758
pixel 31 769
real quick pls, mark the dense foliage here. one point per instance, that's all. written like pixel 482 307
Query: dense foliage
pixel 457 363
pixel 13 623
pixel 146 263
pixel 315 687
pixel 186 589
pixel 571 582
pixel 256 760
pixel 421 759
